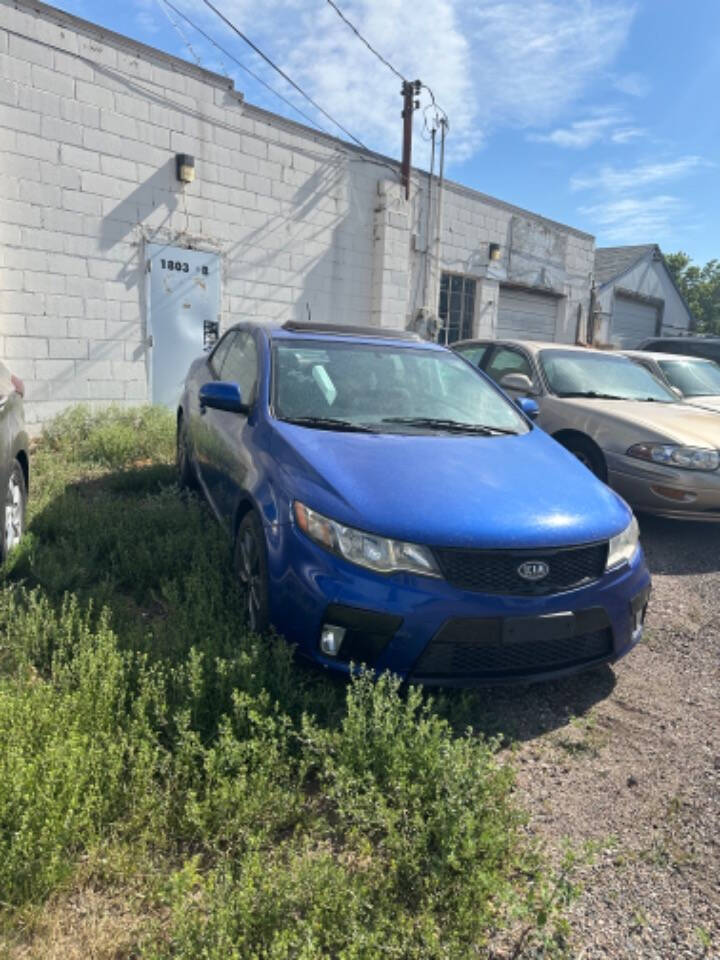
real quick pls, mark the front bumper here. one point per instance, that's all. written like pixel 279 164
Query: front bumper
pixel 424 629
pixel 642 485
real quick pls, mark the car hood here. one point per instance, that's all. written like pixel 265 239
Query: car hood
pixel 618 424
pixel 706 403
pixel 449 490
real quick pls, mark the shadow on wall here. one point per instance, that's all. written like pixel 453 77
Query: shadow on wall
pixel 158 191
pixel 321 242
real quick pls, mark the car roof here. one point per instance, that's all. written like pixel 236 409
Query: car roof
pixel 535 346
pixel 343 333
pixel 700 339
pixel 665 356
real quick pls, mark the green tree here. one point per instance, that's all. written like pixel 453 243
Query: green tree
pixel 701 288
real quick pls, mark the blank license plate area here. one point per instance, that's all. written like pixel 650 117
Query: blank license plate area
pixel 552 626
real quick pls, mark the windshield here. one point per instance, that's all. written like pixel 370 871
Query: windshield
pixel 695 378
pixel 574 373
pixel 385 388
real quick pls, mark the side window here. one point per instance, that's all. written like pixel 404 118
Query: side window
pixel 506 360
pixel 240 364
pixel 220 352
pixel 474 354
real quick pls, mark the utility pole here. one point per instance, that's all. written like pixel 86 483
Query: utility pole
pixel 410 92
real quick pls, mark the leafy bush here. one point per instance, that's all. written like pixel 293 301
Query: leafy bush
pixel 112 437
pixel 77 748
pixel 294 816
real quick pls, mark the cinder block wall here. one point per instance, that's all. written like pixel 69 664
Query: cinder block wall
pixel 90 123
pixel 89 128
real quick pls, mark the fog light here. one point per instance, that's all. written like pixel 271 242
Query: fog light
pixel 331 638
pixel 672 493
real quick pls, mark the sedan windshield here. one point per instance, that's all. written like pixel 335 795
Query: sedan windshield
pixel 385 388
pixel 574 373
pixel 695 378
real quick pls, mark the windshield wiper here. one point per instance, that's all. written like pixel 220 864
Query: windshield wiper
pixel 593 394
pixel 328 423
pixel 453 425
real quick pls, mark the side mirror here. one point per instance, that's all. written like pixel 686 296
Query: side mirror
pixel 528 406
pixel 222 395
pixel 517 381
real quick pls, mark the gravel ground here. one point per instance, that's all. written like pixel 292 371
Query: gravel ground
pixel 629 758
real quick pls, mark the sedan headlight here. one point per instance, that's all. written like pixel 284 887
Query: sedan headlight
pixel 365 549
pixel 623 546
pixel 687 458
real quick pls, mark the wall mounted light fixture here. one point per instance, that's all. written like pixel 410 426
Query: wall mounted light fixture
pixel 494 251
pixel 185 167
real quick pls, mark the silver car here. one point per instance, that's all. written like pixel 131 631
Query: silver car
pixel 626 426
pixel 695 379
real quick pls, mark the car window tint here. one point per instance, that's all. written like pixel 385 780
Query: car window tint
pixel 474 354
pixel 220 352
pixel 240 364
pixel 504 361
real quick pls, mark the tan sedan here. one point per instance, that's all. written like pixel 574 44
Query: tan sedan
pixel 696 379
pixel 659 453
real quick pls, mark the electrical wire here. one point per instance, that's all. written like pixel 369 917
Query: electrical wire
pixel 439 112
pixel 360 37
pixel 282 73
pixel 178 29
pixel 247 70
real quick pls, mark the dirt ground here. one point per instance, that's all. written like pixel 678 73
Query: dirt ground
pixel 628 758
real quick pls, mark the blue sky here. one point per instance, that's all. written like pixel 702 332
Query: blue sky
pixel 601 114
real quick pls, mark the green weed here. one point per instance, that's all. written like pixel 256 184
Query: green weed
pixel 269 812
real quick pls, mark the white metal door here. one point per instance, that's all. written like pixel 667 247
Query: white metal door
pixel 183 314
pixel 523 315
pixel 632 321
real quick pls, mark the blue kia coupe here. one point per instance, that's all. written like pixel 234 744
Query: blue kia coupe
pixel 389 505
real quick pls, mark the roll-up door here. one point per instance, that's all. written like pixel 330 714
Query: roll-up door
pixel 632 321
pixel 524 315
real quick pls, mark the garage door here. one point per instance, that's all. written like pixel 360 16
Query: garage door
pixel 526 316
pixel 632 321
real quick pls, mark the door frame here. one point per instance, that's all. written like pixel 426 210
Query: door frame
pixel 148 339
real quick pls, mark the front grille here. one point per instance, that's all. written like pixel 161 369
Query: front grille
pixel 449 656
pixel 496 571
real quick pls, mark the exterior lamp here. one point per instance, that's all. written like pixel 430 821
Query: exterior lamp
pixel 494 251
pixel 185 167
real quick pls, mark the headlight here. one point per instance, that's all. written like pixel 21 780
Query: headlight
pixel 365 549
pixel 622 547
pixel 688 458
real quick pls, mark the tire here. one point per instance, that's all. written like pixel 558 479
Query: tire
pixel 588 454
pixel 251 569
pixel 186 475
pixel 13 520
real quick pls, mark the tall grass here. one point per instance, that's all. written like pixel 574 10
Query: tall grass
pixel 273 812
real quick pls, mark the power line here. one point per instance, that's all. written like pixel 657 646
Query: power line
pixel 438 109
pixel 178 29
pixel 242 66
pixel 282 73
pixel 360 37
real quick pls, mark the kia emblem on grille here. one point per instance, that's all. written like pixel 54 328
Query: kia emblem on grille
pixel 533 570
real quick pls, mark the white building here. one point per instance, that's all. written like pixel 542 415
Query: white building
pixel 279 220
pixel 636 296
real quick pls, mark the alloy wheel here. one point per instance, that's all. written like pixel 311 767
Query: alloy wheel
pixel 250 574
pixel 14 509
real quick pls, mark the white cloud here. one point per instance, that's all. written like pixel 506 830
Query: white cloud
pixel 607 124
pixel 633 84
pixel 626 134
pixel 636 219
pixel 613 180
pixel 491 63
